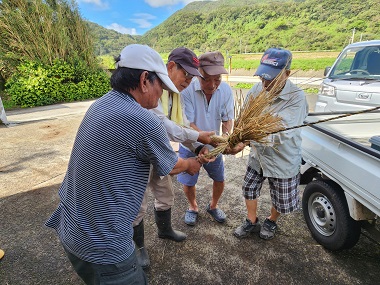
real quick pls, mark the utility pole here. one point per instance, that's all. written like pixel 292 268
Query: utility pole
pixel 353 35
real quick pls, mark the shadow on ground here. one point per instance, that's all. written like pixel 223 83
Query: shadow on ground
pixel 210 255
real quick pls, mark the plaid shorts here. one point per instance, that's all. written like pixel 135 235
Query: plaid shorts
pixel 283 191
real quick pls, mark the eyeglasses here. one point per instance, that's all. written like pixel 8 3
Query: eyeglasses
pixel 187 75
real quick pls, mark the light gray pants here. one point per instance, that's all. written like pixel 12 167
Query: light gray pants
pixel 163 192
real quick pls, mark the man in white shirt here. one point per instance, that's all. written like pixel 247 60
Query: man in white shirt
pixel 209 106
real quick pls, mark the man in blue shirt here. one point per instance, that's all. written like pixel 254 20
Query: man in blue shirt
pixel 108 171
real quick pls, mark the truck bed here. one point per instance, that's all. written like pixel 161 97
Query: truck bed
pixel 342 151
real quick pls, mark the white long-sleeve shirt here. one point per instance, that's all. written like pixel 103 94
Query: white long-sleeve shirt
pixel 175 132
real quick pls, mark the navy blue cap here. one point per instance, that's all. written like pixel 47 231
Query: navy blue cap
pixel 272 62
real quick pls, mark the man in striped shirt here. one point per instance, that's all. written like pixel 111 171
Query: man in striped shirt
pixel 182 66
pixel 108 171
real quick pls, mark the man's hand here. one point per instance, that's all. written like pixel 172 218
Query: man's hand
pixel 236 149
pixel 201 156
pixel 193 165
pixel 205 137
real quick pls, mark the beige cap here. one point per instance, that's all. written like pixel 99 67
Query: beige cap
pixel 212 63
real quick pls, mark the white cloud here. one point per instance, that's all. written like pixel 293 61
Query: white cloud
pixel 143 20
pixel 121 29
pixel 160 3
pixel 99 3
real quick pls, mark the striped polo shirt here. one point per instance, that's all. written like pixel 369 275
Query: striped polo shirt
pixel 107 176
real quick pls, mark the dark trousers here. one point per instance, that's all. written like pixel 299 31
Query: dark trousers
pixel 126 272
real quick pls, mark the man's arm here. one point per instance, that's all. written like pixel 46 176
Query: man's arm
pixel 293 115
pixel 176 133
pixel 189 165
pixel 228 112
pixel 194 126
pixel 227 127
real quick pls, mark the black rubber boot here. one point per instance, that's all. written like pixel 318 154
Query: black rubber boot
pixel 141 252
pixel 164 225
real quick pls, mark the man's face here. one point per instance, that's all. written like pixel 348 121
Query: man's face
pixel 209 83
pixel 180 77
pixel 154 93
pixel 268 84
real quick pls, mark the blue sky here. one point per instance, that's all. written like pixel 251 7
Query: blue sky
pixel 133 17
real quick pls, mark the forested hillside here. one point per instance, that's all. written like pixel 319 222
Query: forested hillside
pixel 240 26
pixel 109 42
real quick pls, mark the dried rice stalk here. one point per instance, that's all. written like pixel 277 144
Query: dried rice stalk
pixel 254 122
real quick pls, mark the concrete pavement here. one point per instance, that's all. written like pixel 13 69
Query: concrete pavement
pixel 34 155
pixel 55 111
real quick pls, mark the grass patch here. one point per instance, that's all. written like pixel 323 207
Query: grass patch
pixel 313 90
pixel 240 85
pixel 297 64
pixel 243 85
pixel 9 105
pixel 301 60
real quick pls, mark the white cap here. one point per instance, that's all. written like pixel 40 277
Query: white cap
pixel 143 57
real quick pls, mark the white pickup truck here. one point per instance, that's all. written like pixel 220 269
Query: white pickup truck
pixel 342 157
pixel 341 171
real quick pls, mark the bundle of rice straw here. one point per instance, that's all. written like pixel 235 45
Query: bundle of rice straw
pixel 255 120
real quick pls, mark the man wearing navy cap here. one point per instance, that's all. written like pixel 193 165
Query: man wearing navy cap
pixel 280 164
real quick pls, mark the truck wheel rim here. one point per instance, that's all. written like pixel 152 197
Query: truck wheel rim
pixel 322 214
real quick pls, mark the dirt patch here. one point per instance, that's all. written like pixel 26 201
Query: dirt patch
pixel 34 153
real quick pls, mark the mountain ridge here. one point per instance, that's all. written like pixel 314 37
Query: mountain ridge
pixel 253 25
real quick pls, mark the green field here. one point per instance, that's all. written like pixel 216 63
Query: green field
pixel 303 62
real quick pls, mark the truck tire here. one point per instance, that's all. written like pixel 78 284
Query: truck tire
pixel 327 216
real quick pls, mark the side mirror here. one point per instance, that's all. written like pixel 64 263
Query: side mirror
pixel 327 69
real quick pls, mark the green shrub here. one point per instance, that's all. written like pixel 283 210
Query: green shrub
pixel 106 61
pixel 38 84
